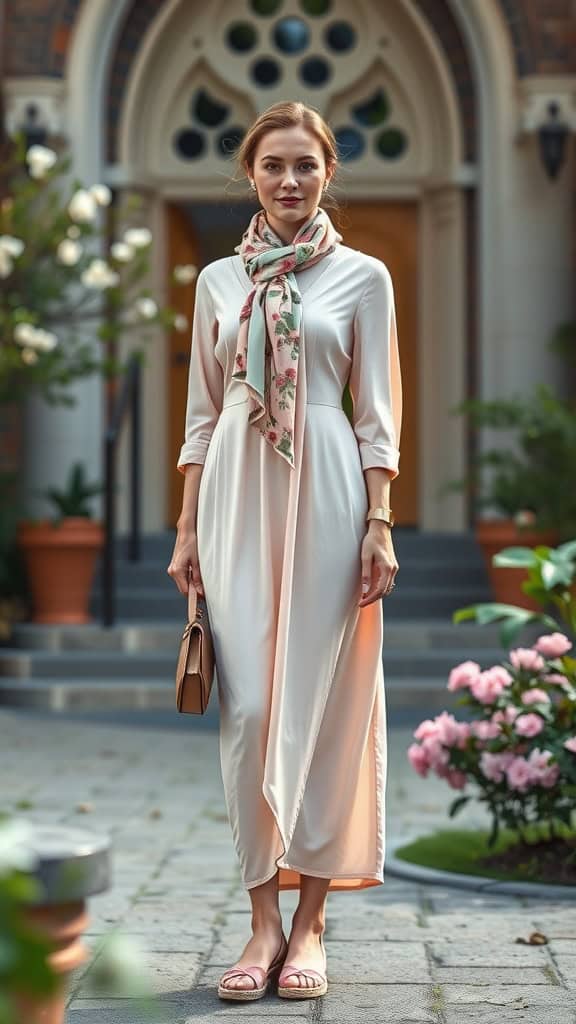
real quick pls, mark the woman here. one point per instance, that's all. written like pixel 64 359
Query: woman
pixel 274 529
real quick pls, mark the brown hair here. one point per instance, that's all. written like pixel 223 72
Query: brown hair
pixel 287 114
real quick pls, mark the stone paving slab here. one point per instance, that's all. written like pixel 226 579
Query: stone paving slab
pixel 401 953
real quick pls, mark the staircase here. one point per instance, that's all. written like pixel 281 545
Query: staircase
pixel 131 666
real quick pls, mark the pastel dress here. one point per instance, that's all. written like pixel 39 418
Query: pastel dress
pixel 299 670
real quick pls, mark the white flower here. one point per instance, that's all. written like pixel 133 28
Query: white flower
pixel 45 340
pixel 181 322
pixel 82 207
pixel 29 356
pixel 102 194
pixel 146 307
pixel 24 333
pixel 15 846
pixel 6 264
pixel 99 275
pixel 122 252
pixel 138 237
pixel 40 159
pixel 69 252
pixel 34 337
pixel 73 231
pixel 185 273
pixel 13 246
pixel 525 517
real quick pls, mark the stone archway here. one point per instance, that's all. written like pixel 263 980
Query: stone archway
pixel 445 213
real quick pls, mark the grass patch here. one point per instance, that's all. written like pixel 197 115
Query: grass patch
pixel 466 851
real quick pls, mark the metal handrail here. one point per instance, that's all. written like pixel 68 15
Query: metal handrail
pixel 129 398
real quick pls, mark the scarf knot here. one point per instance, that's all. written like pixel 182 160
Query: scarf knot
pixel 269 334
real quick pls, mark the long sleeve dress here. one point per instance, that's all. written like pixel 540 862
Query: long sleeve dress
pixel 298 664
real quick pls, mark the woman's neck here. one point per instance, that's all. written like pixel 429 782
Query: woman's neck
pixel 286 232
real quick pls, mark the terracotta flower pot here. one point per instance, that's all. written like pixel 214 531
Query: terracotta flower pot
pixel 495 534
pixel 60 562
pixel 63 925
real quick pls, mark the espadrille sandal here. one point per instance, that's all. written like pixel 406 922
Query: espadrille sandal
pixel 303 991
pixel 261 977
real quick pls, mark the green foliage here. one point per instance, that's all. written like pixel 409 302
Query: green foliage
pixel 551 582
pixel 535 471
pixel 73 499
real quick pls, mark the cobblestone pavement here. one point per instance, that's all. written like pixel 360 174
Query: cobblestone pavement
pixel 401 953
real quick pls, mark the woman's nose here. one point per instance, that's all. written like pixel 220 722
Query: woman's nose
pixel 290 180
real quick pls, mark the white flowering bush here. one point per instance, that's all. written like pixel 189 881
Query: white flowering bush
pixel 519 749
pixel 58 287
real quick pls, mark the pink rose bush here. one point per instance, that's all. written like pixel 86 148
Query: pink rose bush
pixel 520 746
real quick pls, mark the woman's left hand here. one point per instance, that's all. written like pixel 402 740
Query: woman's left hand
pixel 379 563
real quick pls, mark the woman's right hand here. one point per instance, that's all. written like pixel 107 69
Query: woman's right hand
pixel 184 559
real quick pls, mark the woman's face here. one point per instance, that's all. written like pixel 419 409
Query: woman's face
pixel 289 173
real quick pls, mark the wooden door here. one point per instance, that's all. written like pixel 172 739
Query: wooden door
pixel 389 231
pixel 200 232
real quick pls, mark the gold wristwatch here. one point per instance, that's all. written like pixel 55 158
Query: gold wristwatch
pixel 385 514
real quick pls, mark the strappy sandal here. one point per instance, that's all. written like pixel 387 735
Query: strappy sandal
pixel 261 977
pixel 303 991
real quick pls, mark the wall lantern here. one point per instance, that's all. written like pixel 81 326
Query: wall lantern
pixel 552 137
pixel 34 131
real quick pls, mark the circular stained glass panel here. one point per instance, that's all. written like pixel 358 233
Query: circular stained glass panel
pixel 291 35
pixel 266 71
pixel 316 7
pixel 229 140
pixel 242 36
pixel 190 144
pixel 350 143
pixel 315 71
pixel 265 7
pixel 340 36
pixel 391 144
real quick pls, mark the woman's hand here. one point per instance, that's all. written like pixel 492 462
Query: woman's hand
pixel 184 559
pixel 379 564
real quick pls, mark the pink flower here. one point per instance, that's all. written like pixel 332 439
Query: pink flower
pixel 291 374
pixel 528 725
pixel 570 744
pixel 539 759
pixel 487 687
pixel 272 436
pixel 426 728
pixel 462 675
pixel 519 773
pixel 435 752
pixel 448 729
pixel 418 759
pixel 485 729
pixel 275 316
pixel 535 696
pixel 549 777
pixel 552 645
pixel 556 677
pixel 501 674
pixel 456 779
pixel 507 714
pixel 492 766
pixel 527 658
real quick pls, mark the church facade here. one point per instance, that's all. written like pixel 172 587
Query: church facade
pixel 447 114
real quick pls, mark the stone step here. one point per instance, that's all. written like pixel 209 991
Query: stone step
pixel 141 665
pixel 424 697
pixel 410 634
pixel 145 603
pixel 408 541
pixel 430 571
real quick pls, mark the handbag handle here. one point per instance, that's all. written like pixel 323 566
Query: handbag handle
pixel 192 598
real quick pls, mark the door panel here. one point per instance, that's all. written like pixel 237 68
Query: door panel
pixel 201 232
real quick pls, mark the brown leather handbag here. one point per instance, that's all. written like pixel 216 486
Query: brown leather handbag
pixel 195 668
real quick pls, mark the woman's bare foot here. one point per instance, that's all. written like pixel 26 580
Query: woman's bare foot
pixel 260 950
pixel 305 950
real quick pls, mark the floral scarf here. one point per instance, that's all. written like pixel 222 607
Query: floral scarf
pixel 268 346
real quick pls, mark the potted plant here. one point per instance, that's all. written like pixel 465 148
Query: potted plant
pixel 60 553
pixel 530 484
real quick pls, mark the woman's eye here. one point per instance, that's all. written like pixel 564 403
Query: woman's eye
pixel 307 164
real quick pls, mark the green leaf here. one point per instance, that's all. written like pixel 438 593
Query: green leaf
pixel 456 805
